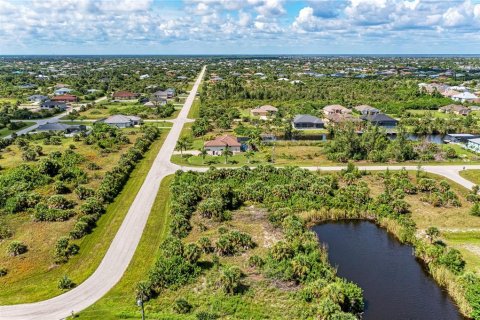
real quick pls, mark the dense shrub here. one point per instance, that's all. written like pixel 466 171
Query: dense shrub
pixel 65 283
pixel 16 248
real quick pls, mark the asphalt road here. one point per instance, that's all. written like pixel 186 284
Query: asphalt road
pixel 123 246
pixel 39 122
pixel 128 236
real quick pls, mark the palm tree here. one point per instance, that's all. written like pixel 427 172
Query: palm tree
pixel 227 153
pixel 203 153
pixel 249 154
pixel 182 144
pixel 230 279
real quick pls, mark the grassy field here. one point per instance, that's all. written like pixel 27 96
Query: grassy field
pixel 194 112
pixel 5 132
pixel 468 242
pixel 33 276
pixel 120 301
pixel 472 175
pixel 106 109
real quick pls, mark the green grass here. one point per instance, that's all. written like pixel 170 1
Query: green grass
pixel 43 283
pixel 472 175
pixel 120 301
pixel 5 132
pixel 468 243
pixel 194 112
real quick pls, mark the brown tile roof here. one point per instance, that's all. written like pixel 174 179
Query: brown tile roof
pixel 223 141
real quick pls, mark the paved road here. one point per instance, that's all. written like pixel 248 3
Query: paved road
pixel 123 246
pixel 54 119
pixel 128 236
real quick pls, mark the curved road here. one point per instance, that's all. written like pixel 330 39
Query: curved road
pixel 123 246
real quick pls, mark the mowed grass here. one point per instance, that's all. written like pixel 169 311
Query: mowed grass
pixel 33 277
pixel 194 112
pixel 468 242
pixel 106 109
pixel 5 131
pixel 472 175
pixel 120 301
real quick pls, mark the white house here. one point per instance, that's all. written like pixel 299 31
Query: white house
pixel 474 144
pixel 62 91
pixel 122 121
pixel 465 97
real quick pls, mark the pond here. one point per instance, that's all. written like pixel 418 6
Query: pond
pixel 396 287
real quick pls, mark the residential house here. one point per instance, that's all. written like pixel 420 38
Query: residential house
pixel 264 111
pixel 122 121
pixel 217 145
pixel 474 144
pixel 381 120
pixel 459 137
pixel 61 127
pixel 306 121
pixel 336 118
pixel 62 91
pixel 37 98
pixel 366 110
pixel 336 108
pixel 465 97
pixel 449 93
pixel 144 76
pixel 49 105
pixel 65 98
pixel 456 109
pixel 124 95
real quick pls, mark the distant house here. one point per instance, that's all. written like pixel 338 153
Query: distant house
pixel 124 95
pixel 164 94
pixel 61 86
pixel 306 121
pixel 459 137
pixel 37 98
pixel 337 118
pixel 380 119
pixel 366 109
pixel 268 137
pixel 92 90
pixel 474 144
pixel 65 98
pixel 122 121
pixel 264 111
pixel 27 86
pixel 455 109
pixel 62 91
pixel 61 127
pixel 49 105
pixel 144 76
pixel 465 97
pixel 336 108
pixel 217 145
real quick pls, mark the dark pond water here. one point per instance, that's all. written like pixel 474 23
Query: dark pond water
pixel 395 285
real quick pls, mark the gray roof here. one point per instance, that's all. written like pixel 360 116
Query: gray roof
pixel 56 126
pixel 476 140
pixel 302 118
pixel 120 118
pixel 379 117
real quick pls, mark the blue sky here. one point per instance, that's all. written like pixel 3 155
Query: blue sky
pixel 239 26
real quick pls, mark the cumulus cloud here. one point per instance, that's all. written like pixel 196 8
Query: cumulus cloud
pixel 31 23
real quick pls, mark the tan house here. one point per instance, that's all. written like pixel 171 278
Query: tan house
pixel 336 109
pixel 455 109
pixel 367 110
pixel 217 145
pixel 264 111
pixel 336 118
